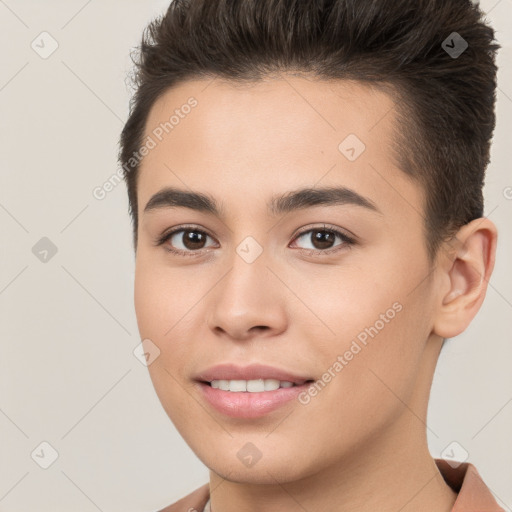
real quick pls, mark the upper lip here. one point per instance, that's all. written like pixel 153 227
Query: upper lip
pixel 228 371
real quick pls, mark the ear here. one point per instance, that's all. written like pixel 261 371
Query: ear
pixel 466 267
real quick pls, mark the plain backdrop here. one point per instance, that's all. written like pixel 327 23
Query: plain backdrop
pixel 68 374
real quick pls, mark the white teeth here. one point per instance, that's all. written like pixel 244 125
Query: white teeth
pixel 222 384
pixel 271 384
pixel 252 386
pixel 237 385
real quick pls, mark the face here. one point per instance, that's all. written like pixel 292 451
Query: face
pixel 334 288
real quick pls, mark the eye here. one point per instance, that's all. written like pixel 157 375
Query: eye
pixel 190 241
pixel 323 238
pixel 185 240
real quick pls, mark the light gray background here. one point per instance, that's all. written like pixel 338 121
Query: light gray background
pixel 68 375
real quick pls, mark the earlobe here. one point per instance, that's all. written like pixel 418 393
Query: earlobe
pixel 468 270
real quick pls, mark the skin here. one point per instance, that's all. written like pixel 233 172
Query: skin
pixel 366 429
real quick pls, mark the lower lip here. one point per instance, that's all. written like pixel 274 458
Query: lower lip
pixel 245 404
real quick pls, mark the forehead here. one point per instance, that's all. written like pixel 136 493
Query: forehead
pixel 270 136
pixel 282 112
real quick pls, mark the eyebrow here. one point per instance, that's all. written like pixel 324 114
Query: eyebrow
pixel 170 197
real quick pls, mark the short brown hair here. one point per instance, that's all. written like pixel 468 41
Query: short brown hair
pixel 445 102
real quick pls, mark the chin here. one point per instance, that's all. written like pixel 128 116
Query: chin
pixel 261 474
pixel 226 462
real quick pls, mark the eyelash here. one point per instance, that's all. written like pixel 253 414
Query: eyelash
pixel 347 241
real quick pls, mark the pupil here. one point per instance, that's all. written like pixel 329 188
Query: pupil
pixel 322 237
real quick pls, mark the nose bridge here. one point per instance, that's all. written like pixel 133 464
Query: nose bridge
pixel 244 298
pixel 247 281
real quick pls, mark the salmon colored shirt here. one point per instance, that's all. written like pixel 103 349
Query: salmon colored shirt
pixel 473 494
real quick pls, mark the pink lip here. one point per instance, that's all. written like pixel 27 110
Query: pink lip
pixel 229 371
pixel 247 404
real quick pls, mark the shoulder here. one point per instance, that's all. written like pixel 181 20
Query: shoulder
pixel 193 502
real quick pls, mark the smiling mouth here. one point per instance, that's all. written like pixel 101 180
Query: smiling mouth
pixel 253 385
pixel 252 398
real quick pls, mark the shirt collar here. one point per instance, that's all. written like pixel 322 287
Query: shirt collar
pixel 473 494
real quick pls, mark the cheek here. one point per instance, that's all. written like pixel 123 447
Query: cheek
pixel 371 338
pixel 162 317
pixel 367 384
pixel 168 313
pixel 345 305
pixel 158 308
pixel 147 295
pixel 159 298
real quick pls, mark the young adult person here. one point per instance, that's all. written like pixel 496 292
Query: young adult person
pixel 305 183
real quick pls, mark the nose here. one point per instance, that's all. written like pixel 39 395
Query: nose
pixel 249 299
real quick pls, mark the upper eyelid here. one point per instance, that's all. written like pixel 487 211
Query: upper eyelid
pixel 324 227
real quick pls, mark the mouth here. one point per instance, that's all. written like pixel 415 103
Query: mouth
pixel 251 399
pixel 254 385
pixel 250 391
